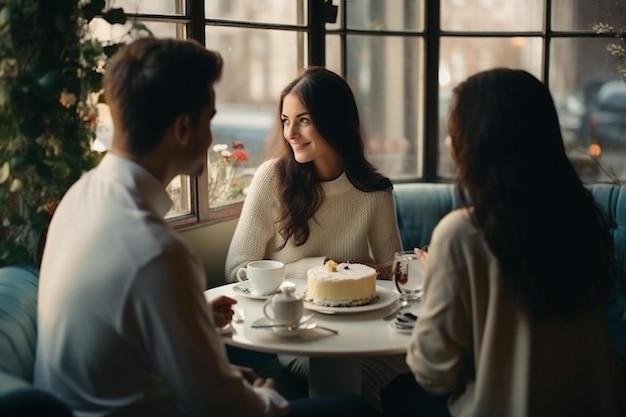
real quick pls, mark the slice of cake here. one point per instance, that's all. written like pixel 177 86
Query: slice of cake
pixel 341 285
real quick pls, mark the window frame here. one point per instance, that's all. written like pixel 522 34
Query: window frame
pixel 195 23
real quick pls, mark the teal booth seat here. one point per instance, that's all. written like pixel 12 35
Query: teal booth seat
pixel 18 338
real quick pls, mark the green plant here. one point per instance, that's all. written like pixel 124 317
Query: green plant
pixel 50 82
pixel 616 47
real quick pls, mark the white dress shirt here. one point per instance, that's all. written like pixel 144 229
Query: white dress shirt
pixel 123 324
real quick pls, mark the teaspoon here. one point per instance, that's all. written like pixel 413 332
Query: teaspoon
pixel 396 310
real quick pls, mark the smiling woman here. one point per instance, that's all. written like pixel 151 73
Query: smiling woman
pixel 319 197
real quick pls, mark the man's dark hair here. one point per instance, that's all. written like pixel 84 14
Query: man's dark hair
pixel 152 81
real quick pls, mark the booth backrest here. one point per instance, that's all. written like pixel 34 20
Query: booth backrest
pixel 420 206
pixel 18 339
pixel 18 320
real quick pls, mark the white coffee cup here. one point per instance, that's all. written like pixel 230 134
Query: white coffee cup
pixel 285 307
pixel 264 276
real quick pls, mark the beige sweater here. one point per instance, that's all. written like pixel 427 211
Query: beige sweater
pixel 351 225
pixel 471 342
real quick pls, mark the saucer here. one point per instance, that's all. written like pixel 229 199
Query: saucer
pixel 281 331
pixel 244 289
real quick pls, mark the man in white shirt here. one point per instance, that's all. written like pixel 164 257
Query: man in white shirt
pixel 124 328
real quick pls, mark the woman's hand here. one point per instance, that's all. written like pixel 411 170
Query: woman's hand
pixel 222 311
pixel 422 255
pixel 253 378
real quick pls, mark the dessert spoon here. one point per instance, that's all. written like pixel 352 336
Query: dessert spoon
pixel 313 325
pixel 291 328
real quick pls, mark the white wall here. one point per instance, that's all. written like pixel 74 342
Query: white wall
pixel 211 245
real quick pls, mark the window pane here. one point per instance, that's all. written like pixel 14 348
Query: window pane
pixel 389 99
pixel 582 14
pixel 268 11
pixel 175 7
pixel 179 188
pixel 179 191
pixel 107 32
pixel 256 69
pixel 333 53
pixel 491 15
pixel 591 100
pixel 385 15
pixel 462 57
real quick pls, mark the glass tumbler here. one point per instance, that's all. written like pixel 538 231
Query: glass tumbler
pixel 406 272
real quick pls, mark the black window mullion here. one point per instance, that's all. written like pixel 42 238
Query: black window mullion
pixel 195 27
pixel 431 88
pixel 317 31
pixel 344 38
pixel 547 39
pixel 199 186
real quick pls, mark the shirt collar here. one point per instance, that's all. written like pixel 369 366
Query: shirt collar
pixel 134 176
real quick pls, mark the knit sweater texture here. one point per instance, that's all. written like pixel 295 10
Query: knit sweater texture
pixel 351 225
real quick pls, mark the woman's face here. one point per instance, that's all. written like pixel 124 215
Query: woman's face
pixel 305 140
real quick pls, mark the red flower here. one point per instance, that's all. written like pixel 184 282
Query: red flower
pixel 240 155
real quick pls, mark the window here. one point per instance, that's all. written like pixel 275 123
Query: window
pixel 402 59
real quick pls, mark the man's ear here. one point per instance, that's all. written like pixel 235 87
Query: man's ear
pixel 182 127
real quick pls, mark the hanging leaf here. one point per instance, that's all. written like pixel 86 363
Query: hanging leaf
pixel 92 9
pixel 51 77
pixel 5 170
pixel 111 49
pixel 115 16
pixel 16 185
pixel 93 80
pixel 141 29
pixel 60 170
pixel 16 162
pixel 31 128
pixel 51 84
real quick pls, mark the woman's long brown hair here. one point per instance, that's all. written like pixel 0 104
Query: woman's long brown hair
pixel 333 110
pixel 544 227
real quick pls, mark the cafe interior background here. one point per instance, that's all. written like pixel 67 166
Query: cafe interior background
pixel 402 59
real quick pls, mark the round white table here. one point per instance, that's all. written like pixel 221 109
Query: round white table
pixel 335 360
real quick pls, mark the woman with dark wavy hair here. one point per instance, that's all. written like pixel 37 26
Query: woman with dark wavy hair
pixel 320 197
pixel 517 282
